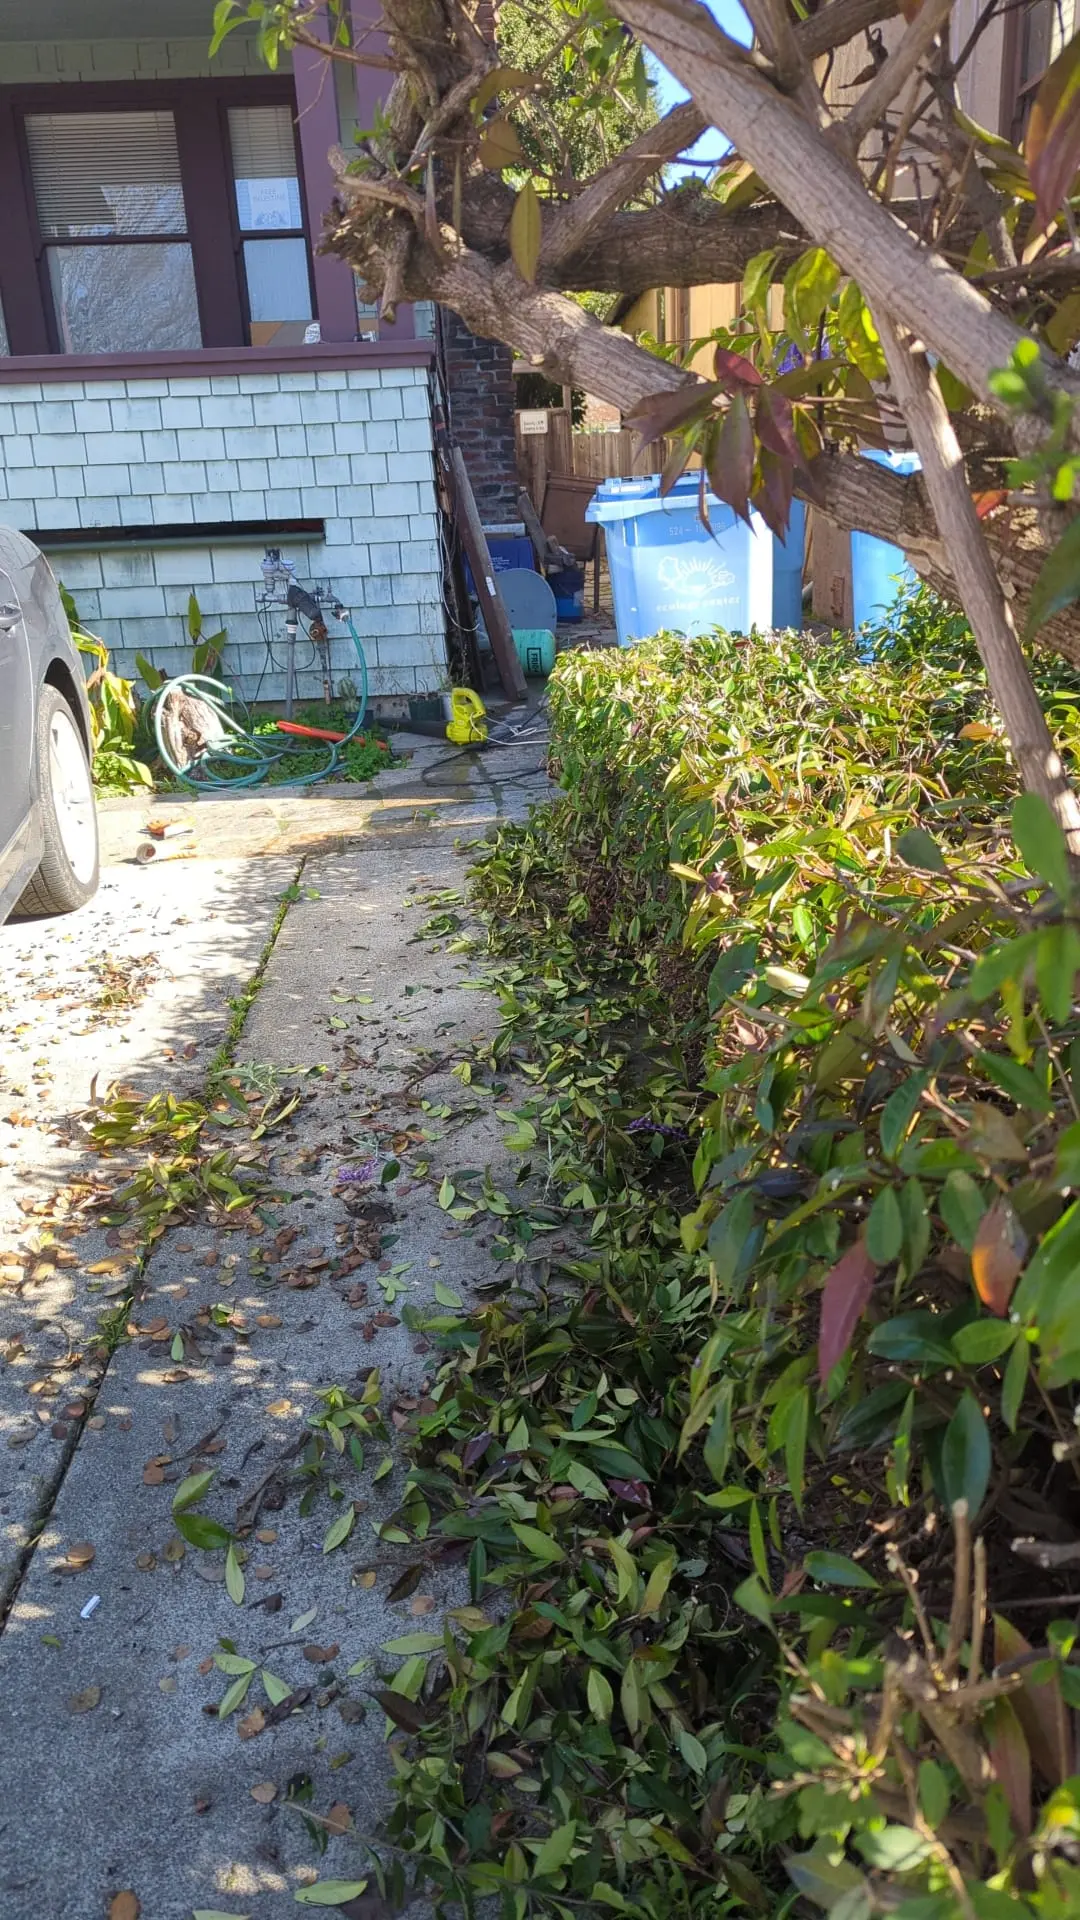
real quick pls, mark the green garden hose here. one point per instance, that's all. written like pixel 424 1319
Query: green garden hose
pixel 243 758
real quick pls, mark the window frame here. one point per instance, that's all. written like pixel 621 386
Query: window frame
pixel 1018 91
pixel 200 107
pixel 243 234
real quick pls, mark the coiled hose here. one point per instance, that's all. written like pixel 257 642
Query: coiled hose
pixel 242 758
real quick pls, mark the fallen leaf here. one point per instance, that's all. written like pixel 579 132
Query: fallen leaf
pixel 264 1792
pixel 267 1320
pixel 365 1577
pixel 81 1555
pixel 153 1475
pixel 320 1656
pixel 251 1724
pixel 267 1535
pixel 86 1701
pixel 125 1906
pixel 422 1603
pixel 279 1408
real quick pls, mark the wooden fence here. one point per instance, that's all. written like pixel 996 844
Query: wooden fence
pixel 589 456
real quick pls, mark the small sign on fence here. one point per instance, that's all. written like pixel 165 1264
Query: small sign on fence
pixel 533 420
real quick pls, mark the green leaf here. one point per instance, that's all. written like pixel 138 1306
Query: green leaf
pixel 966 1456
pixel 276 1690
pixel 914 1336
pixel 836 1570
pixel 901 1451
pixel 884 1228
pixel 757 280
pixel 982 1341
pixel 1057 961
pixel 233 1663
pixel 728 1237
pixel 329 1893
pixel 232 1697
pixel 526 231
pixel 751 1596
pixel 202 1532
pixel 692 1750
pixel 917 848
pixel 934 1792
pixel 1014 1383
pixel 191 1490
pixel 599 1695
pixel 1036 832
pixel 555 1851
pixel 795 1432
pixel 809 285
pixel 540 1545
pixel 717 1448
pixel 176 1348
pixel 339 1532
pixel 758 1551
pixel 1005 960
pixel 894 1849
pixel 961 1206
pixel 446 1296
pixel 234 1577
pixel 899 1111
pixel 447 1194
pixel 413 1643
pixel 859 333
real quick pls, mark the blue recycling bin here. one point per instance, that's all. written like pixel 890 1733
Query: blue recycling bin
pixel 879 571
pixel 668 571
pixel 787 610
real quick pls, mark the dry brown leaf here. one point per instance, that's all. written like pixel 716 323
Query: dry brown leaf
pixel 146 1562
pixel 251 1724
pixel 264 1791
pixel 81 1555
pixel 268 1320
pixel 279 1408
pixel 267 1535
pixel 175 1548
pixel 339 1818
pixel 365 1577
pixel 422 1603
pixel 84 1702
pixel 153 1475
pixel 320 1656
pixel 125 1906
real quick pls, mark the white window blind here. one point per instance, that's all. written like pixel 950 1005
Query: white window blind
pixel 264 168
pixel 103 173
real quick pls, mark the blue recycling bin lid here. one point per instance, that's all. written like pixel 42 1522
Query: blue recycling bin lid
pixel 617 499
pixel 906 460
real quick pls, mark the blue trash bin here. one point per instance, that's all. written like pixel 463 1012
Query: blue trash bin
pixel 879 571
pixel 787 610
pixel 668 572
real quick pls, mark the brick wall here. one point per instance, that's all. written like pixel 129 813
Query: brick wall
pixel 481 387
pixel 350 447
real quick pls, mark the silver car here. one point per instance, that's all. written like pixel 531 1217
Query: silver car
pixel 48 823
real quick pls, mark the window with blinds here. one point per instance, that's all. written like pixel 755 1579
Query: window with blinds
pixel 107 188
pixel 273 249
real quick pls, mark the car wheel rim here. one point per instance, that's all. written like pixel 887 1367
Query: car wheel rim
pixel 72 797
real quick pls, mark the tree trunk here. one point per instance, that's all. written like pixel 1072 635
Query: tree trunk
pixel 919 396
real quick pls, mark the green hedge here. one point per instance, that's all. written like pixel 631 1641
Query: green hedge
pixel 795 969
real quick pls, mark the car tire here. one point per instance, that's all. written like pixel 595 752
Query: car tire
pixel 67 876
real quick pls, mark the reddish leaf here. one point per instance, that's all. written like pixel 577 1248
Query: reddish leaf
pixel 773 497
pixel 475 1449
pixel 846 1291
pixel 663 413
pixel 404 1713
pixel 674 465
pixel 731 463
pixel 1052 142
pixel 997 1256
pixel 776 427
pixel 1040 1709
pixel 988 503
pixel 734 371
pixel 1011 1761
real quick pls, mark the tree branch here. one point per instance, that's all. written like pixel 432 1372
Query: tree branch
pixel 833 26
pixel 900 67
pixel 574 225
pixel 829 199
pixel 919 396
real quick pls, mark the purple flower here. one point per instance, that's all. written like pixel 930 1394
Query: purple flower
pixel 356 1176
pixel 656 1126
